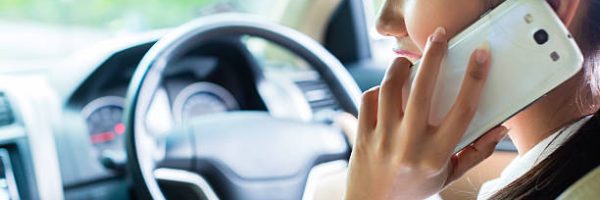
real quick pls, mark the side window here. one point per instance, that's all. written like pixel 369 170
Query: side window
pixel 309 17
pixel 380 45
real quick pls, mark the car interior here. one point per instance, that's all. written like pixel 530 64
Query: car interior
pixel 206 99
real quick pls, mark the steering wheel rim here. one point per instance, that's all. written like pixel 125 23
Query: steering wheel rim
pixel 147 77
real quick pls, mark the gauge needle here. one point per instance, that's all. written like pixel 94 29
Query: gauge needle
pixel 102 137
pixel 108 135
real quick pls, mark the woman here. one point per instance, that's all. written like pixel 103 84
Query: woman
pixel 399 155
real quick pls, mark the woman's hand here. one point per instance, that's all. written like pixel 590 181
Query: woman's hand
pixel 398 154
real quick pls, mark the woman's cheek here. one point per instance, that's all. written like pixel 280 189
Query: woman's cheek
pixel 421 24
pixel 454 18
pixel 419 30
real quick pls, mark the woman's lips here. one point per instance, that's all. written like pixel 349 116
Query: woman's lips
pixel 406 53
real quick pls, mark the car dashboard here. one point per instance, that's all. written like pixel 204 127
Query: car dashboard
pixel 84 100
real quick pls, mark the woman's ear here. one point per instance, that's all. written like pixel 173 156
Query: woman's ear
pixel 566 9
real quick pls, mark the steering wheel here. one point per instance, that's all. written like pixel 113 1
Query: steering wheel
pixel 235 155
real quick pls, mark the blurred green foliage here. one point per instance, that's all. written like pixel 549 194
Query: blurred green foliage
pixel 105 14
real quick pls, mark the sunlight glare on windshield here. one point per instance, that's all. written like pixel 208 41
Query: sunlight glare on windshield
pixel 52 29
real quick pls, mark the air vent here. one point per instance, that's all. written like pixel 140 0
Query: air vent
pixel 318 95
pixel 6 114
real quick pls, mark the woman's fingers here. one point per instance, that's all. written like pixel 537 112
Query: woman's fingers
pixel 465 106
pixel 367 116
pixel 419 101
pixel 349 124
pixel 390 97
pixel 476 153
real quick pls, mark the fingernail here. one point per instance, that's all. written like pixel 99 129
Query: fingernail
pixel 439 35
pixel 482 54
pixel 503 133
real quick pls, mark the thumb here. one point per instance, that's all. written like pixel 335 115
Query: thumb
pixel 348 123
pixel 475 153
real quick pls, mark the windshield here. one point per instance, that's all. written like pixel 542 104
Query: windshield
pixel 38 31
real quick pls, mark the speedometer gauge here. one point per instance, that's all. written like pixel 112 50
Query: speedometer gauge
pixel 200 99
pixel 105 124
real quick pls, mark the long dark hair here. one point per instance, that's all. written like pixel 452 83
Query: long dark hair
pixel 579 154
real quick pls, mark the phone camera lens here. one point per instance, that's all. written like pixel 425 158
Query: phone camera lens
pixel 541 36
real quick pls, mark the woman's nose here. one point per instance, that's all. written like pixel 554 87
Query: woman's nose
pixel 390 21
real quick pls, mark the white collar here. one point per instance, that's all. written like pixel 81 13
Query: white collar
pixel 523 163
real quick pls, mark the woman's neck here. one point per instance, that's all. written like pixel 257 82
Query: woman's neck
pixel 547 115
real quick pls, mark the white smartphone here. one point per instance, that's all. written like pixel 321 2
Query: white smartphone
pixel 532 53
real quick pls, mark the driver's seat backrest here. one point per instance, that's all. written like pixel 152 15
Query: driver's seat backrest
pixel 587 187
